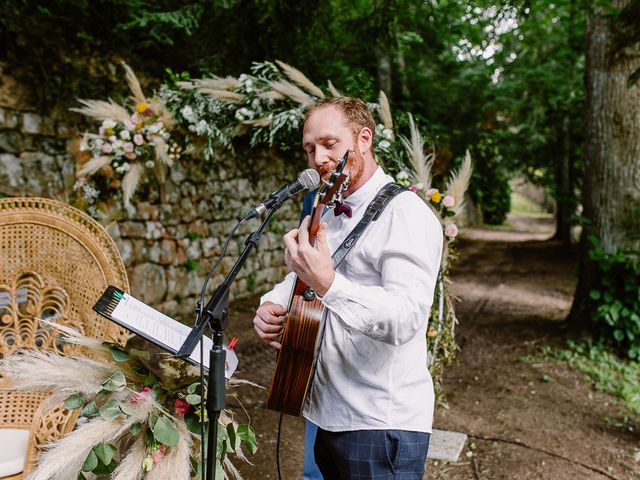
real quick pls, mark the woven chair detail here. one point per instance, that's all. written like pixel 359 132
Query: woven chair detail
pixel 55 262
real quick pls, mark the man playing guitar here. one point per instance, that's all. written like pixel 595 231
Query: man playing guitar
pixel 371 395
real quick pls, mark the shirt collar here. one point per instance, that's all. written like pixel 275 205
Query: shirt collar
pixel 367 191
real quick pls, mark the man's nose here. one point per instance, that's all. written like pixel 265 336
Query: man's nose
pixel 322 156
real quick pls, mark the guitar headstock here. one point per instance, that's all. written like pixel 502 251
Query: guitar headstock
pixel 333 187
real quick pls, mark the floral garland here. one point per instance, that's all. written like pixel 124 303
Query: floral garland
pixel 140 413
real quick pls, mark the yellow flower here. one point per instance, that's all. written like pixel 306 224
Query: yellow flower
pixel 138 126
pixel 108 131
pixel 436 197
pixel 431 333
pixel 142 107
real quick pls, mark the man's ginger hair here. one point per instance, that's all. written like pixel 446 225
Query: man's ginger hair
pixel 355 111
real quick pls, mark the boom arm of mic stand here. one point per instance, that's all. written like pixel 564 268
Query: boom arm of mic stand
pixel 215 313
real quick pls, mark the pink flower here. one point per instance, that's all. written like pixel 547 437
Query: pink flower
pixel 141 396
pixel 138 139
pixel 448 201
pixel 128 147
pixel 136 118
pixel 413 188
pixel 159 454
pixel 181 406
pixel 451 231
pixel 107 148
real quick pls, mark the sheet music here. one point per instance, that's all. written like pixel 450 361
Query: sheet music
pixel 164 330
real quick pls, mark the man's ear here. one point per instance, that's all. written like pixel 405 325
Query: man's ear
pixel 365 139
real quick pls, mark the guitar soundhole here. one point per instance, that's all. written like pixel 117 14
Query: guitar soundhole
pixel 309 294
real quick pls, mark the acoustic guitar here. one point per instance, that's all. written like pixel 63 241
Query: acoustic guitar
pixel 302 333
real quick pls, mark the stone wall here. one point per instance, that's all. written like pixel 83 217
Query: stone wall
pixel 168 246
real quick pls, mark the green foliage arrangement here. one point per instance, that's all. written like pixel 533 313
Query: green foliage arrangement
pixel 616 293
pixel 140 413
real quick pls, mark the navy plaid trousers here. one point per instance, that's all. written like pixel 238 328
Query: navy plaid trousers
pixel 371 454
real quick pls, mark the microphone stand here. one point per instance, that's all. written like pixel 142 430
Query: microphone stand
pixel 215 315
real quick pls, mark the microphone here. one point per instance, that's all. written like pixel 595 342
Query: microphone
pixel 307 180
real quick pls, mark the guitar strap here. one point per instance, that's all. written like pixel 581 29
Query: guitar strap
pixel 374 209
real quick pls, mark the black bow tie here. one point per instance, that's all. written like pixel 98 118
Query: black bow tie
pixel 341 208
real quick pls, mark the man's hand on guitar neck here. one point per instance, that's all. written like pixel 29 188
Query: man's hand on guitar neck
pixel 312 263
pixel 268 323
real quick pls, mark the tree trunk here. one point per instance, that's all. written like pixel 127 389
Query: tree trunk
pixel 612 153
pixel 564 194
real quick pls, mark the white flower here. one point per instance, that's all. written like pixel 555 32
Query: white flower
pixel 244 114
pixel 107 148
pixel 153 129
pixel 113 138
pixel 118 143
pixel 387 133
pixel 125 135
pixel 138 139
pixel 419 186
pixel 149 164
pixel 187 113
pixel 402 175
pixel 201 127
pixel 126 166
pixel 384 144
pixel 129 125
pixel 84 147
pixel 128 147
pixel 108 123
pixel 120 169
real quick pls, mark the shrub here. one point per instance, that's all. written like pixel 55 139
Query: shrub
pixel 616 293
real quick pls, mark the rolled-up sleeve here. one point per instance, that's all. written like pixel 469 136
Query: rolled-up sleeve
pixel 280 293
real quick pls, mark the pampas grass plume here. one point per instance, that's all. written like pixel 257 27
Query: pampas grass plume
pixel 134 84
pixel 176 464
pixel 65 457
pixel 129 467
pixel 385 111
pixel 103 110
pixel 291 91
pixel 130 182
pixel 43 371
pixel 333 90
pixel 415 149
pixel 93 165
pixel 300 79
pixel 459 182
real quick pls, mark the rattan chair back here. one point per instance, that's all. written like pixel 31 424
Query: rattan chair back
pixel 55 262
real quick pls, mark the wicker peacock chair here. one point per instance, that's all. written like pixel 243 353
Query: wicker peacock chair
pixel 55 261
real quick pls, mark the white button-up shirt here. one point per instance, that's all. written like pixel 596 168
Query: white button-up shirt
pixel 371 371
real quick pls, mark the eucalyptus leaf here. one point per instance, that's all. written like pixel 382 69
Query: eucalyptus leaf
pixel 105 452
pixel 165 432
pixel 115 383
pixel 90 410
pixel 119 355
pixel 234 439
pixel 90 463
pixel 74 401
pixel 193 399
pixel 136 428
pixel 110 410
pixel 143 354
